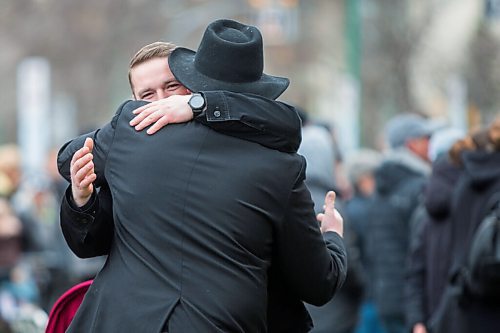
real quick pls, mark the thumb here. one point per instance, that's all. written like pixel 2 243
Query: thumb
pixel 89 143
pixel 330 201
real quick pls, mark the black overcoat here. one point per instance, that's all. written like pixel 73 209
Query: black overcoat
pixel 199 219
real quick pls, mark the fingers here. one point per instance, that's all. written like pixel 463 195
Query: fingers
pixel 80 153
pixel 141 109
pixel 80 158
pixel 144 112
pixel 82 165
pixel 83 176
pixel 173 109
pixel 152 118
pixel 88 180
pixel 82 173
pixel 148 117
pixel 88 146
pixel 163 121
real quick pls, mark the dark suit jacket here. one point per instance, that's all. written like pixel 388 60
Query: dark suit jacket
pixel 199 218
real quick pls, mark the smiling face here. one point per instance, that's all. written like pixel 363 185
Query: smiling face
pixel 152 80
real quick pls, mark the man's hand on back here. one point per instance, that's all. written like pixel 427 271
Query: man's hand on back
pixel 170 110
pixel 82 173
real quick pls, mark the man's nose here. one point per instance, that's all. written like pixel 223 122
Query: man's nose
pixel 160 93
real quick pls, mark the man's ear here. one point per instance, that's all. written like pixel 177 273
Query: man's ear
pixel 411 145
pixel 417 146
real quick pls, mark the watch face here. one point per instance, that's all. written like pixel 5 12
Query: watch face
pixel 197 102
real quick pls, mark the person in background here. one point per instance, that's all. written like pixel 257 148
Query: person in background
pixel 361 166
pixel 19 199
pixel 342 184
pixel 10 239
pixel 430 257
pixel 399 185
pixel 318 149
pixel 26 271
pixel 19 293
pixel 475 195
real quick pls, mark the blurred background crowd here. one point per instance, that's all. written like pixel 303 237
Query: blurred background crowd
pixel 386 89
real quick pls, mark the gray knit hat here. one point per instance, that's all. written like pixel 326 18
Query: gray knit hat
pixel 404 127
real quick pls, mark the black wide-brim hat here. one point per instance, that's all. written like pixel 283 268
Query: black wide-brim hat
pixel 229 57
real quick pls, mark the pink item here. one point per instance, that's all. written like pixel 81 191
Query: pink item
pixel 65 308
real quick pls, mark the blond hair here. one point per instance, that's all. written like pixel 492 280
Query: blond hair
pixel 148 52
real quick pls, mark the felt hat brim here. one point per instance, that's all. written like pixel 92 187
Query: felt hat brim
pixel 182 65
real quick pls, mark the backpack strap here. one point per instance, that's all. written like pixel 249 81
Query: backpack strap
pixel 481 269
pixel 493 212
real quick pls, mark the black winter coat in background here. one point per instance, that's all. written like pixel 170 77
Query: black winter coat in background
pixel 399 187
pixel 430 255
pixel 357 214
pixel 480 182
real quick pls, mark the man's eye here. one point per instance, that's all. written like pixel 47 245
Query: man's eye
pixel 173 86
pixel 147 95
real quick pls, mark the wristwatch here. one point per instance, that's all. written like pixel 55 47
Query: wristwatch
pixel 197 103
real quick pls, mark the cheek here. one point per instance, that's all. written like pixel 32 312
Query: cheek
pixel 182 91
pixel 425 145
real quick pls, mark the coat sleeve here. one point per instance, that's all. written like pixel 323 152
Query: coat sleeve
pixel 103 139
pixel 88 230
pixel 273 124
pixel 250 117
pixel 313 265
